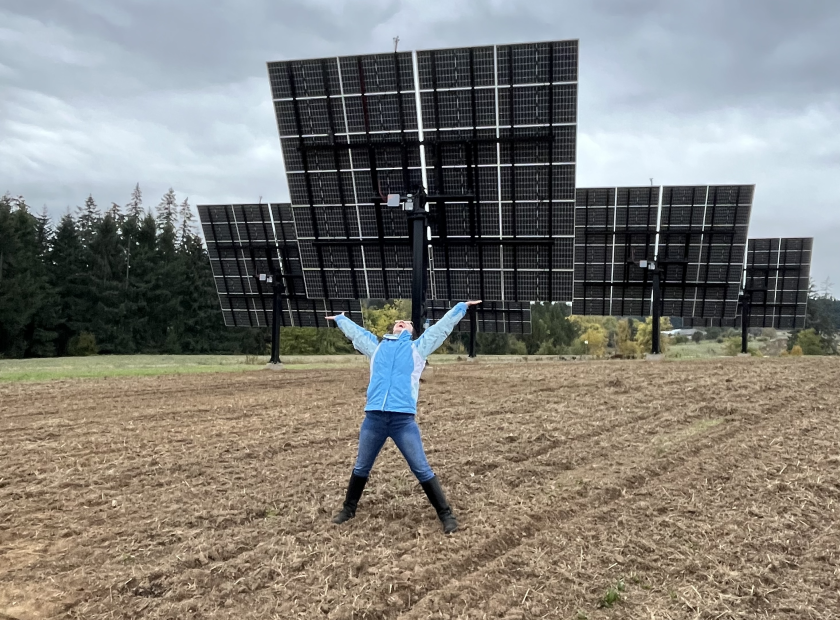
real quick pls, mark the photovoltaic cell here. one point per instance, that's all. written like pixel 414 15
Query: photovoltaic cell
pixel 496 123
pixel 697 235
pixel 244 241
pixel 494 317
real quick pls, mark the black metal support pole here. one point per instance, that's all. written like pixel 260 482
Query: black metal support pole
pixel 418 217
pixel 473 312
pixel 275 323
pixel 657 314
pixel 745 321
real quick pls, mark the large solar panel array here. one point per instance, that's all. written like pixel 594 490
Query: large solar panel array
pixel 496 125
pixel 697 234
pixel 244 241
pixel 777 278
pixel 493 317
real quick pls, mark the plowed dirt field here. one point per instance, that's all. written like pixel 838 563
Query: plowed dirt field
pixel 584 490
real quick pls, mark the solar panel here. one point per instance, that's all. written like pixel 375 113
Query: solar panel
pixel 495 123
pixel 614 226
pixel 703 230
pixel 493 317
pixel 244 241
pixel 777 279
pixel 696 235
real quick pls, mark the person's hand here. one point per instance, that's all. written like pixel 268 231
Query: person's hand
pixel 334 317
pixel 472 303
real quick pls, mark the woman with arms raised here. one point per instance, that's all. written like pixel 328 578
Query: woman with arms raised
pixel 395 366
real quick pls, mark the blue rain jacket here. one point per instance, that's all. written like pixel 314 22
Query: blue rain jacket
pixel 397 361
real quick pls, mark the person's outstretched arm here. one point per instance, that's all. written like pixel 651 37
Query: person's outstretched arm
pixel 362 339
pixel 433 337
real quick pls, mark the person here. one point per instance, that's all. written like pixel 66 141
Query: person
pixel 395 366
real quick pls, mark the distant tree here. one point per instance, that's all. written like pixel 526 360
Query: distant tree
pixel 379 321
pixel 134 208
pixel 826 287
pixel 186 229
pixel 644 335
pixel 87 218
pixel 26 297
pixel 551 330
pixel 594 340
pixel 810 342
pixel 625 345
pixel 823 316
pixel 167 210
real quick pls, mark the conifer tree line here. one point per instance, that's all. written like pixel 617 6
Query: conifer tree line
pixel 124 280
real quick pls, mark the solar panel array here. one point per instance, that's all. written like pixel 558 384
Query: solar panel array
pixel 777 278
pixel 496 125
pixel 493 317
pixel 244 241
pixel 697 234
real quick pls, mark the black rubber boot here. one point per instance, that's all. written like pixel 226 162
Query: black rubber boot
pixel 354 492
pixel 441 506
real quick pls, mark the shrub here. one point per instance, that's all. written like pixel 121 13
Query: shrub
pixel 83 344
pixel 732 346
pixel 644 334
pixel 769 333
pixel 680 339
pixel 517 347
pixel 809 342
pixel 796 351
pixel 696 337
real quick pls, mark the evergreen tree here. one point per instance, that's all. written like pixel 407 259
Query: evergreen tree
pixel 186 230
pixel 141 283
pixel 107 258
pixel 167 210
pixel 166 285
pixel 87 220
pixel 115 212
pixel 67 275
pixel 134 208
pixel 25 292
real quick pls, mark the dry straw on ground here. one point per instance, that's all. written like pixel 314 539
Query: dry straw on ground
pixel 598 490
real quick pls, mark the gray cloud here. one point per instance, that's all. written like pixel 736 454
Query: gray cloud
pixel 96 96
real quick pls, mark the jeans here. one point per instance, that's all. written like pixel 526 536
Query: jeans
pixel 403 429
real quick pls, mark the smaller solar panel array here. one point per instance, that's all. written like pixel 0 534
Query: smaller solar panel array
pixel 247 241
pixel 696 234
pixel 777 279
pixel 493 317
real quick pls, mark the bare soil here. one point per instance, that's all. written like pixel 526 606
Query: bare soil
pixel 584 490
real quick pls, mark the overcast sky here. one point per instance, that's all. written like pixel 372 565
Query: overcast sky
pixel 97 95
